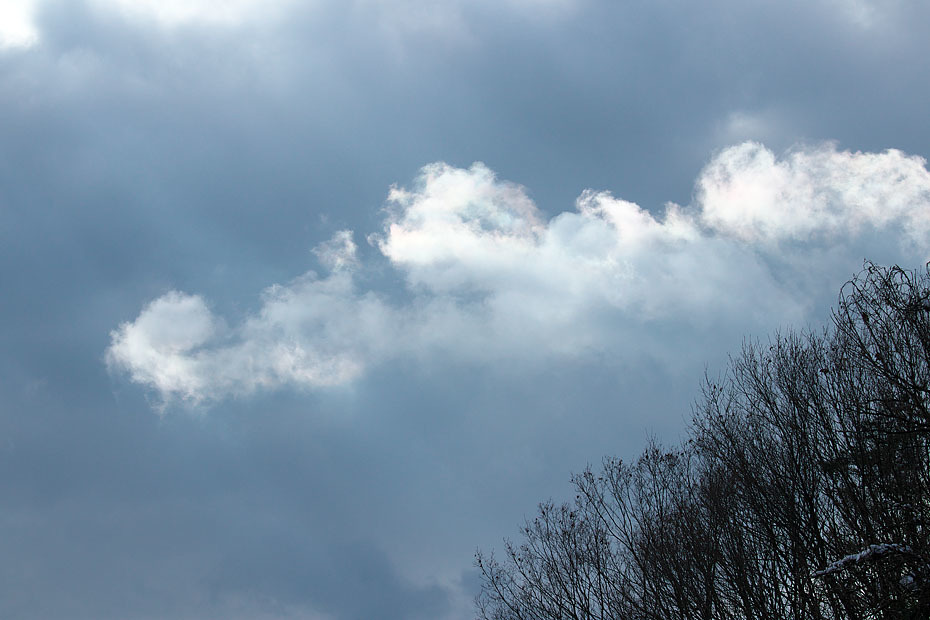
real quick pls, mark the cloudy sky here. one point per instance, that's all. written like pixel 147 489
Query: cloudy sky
pixel 304 301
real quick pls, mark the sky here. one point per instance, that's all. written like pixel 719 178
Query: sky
pixel 303 302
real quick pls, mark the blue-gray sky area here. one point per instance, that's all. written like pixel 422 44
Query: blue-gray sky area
pixel 303 302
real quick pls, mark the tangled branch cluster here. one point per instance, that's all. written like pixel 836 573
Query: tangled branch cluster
pixel 802 493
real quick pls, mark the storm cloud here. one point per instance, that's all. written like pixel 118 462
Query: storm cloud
pixel 274 345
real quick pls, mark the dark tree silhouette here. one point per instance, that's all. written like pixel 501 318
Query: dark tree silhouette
pixel 803 491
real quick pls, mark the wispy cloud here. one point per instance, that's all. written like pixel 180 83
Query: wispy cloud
pixel 488 277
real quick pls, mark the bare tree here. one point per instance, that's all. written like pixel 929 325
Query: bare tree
pixel 803 491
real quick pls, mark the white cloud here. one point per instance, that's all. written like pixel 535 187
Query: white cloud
pixel 160 347
pixel 489 278
pixel 338 253
pixel 313 332
pixel 459 227
pixel 17 25
pixel 819 192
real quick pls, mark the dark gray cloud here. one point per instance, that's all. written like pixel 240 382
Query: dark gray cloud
pixel 142 154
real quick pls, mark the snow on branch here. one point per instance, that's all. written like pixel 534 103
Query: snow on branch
pixel 870 553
